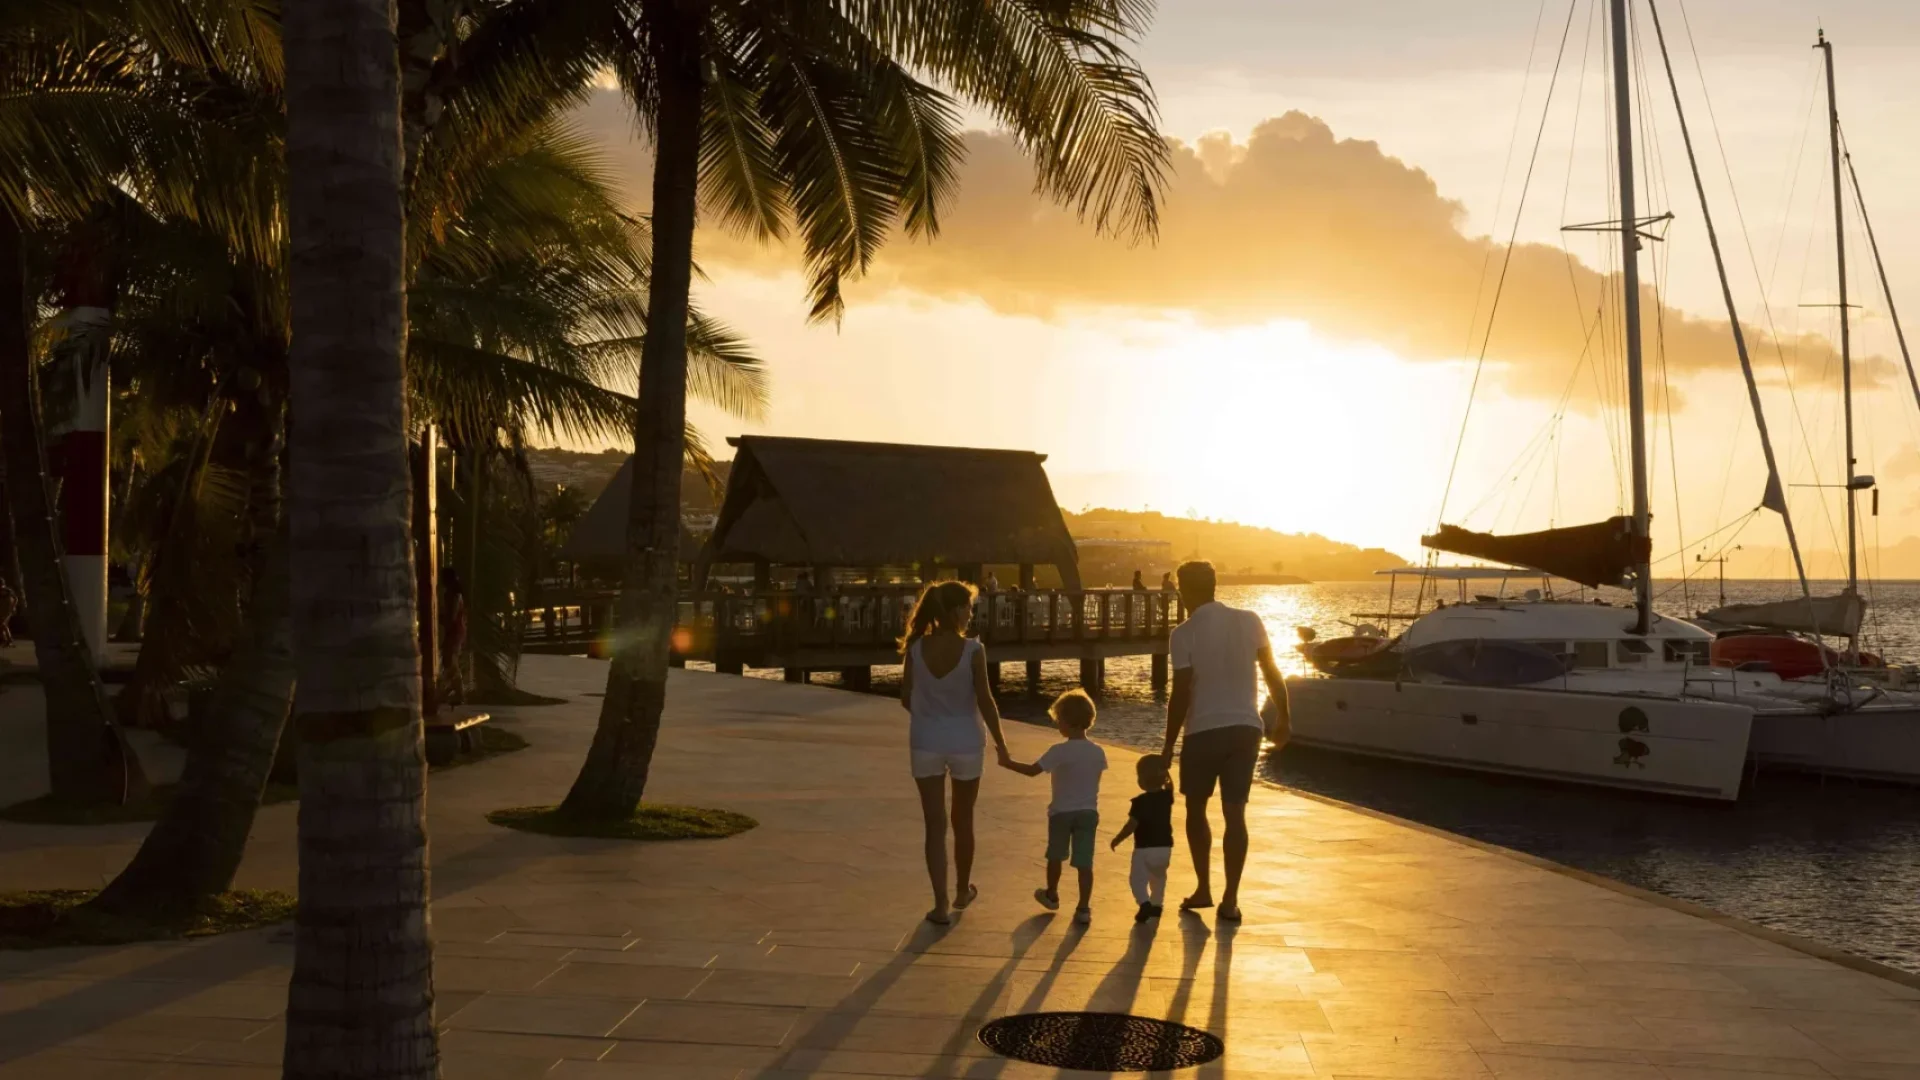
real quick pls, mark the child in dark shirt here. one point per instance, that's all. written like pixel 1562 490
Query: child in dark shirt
pixel 1150 823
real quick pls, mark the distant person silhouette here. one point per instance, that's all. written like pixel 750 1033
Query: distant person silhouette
pixel 1139 583
pixel 1166 583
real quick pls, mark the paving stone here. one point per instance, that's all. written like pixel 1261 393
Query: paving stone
pixel 797 949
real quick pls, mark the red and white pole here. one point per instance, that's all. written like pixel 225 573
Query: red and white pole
pixel 81 447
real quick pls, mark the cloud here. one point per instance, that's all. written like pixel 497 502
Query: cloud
pixel 1294 223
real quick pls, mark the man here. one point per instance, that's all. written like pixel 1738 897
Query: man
pixel 1217 653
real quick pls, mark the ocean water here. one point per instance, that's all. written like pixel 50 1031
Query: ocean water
pixel 1835 861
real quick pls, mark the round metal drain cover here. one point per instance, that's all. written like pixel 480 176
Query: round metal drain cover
pixel 1100 1042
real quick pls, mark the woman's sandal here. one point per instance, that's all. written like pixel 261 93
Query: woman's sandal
pixel 960 902
pixel 939 918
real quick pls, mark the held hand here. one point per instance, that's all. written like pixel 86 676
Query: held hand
pixel 1115 845
pixel 1005 759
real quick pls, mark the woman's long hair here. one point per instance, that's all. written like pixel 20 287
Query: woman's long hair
pixel 938 603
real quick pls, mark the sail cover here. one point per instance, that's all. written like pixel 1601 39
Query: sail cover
pixel 1839 615
pixel 1593 555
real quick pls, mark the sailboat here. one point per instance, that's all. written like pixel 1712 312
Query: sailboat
pixel 1787 633
pixel 1589 693
pixel 1865 725
pixel 1469 690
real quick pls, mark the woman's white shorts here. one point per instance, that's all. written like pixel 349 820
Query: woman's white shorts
pixel 931 763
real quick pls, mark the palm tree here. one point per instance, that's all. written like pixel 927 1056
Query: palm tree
pixel 360 1002
pixel 521 247
pixel 826 117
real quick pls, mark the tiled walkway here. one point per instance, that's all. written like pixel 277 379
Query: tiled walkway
pixel 1369 949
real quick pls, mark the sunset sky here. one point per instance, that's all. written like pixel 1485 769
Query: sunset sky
pixel 1296 350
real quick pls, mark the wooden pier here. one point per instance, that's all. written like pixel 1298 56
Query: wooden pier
pixel 852 630
pixel 838 539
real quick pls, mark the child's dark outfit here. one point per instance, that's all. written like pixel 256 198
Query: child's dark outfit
pixel 1152 814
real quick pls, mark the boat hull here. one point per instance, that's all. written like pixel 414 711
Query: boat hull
pixel 1696 749
pixel 1871 744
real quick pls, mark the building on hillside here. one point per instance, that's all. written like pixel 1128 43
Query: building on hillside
pixel 1113 560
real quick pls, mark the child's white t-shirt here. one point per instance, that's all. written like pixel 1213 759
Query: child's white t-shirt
pixel 1075 766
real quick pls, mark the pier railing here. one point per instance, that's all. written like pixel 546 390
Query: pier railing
pixel 782 623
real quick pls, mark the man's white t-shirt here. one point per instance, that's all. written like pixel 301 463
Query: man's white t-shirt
pixel 1222 646
pixel 1075 765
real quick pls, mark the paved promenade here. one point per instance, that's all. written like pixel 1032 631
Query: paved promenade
pixel 1369 949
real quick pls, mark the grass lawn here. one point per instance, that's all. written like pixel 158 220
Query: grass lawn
pixel 649 822
pixel 52 917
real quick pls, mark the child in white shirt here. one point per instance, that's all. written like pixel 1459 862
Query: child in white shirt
pixel 1075 764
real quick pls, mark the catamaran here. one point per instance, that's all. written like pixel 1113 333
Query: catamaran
pixel 1590 693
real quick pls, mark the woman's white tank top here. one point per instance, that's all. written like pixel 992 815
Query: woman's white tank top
pixel 944 715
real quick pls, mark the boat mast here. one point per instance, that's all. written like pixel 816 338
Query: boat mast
pixel 1846 342
pixel 1775 496
pixel 1630 307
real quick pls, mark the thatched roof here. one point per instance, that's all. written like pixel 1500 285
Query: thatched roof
pixel 823 502
pixel 601 532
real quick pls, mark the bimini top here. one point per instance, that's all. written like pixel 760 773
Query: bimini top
pixel 824 502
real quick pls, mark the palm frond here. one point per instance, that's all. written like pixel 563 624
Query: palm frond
pixel 1056 74
pixel 721 370
pixel 740 176
pixel 470 388
pixel 843 177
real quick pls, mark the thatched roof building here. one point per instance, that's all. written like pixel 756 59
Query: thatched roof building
pixel 827 503
pixel 600 536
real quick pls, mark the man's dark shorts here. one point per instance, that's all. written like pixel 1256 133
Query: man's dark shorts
pixel 1224 755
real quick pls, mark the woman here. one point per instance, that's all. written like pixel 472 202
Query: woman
pixel 944 689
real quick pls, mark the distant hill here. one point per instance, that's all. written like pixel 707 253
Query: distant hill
pixel 591 472
pixel 1113 543
pixel 1237 551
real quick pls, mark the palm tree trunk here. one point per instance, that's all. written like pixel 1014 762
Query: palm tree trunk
pixel 360 1003
pixel 87 760
pixel 614 776
pixel 192 852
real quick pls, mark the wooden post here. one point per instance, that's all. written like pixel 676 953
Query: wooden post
pixel 858 678
pixel 993 676
pixel 426 563
pixel 1033 676
pixel 796 675
pixel 1091 675
pixel 762 576
pixel 1159 677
